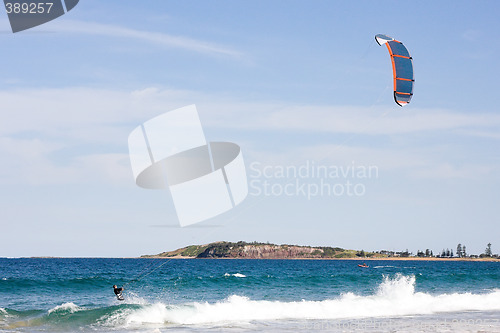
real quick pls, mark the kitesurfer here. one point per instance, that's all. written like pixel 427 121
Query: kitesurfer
pixel 118 292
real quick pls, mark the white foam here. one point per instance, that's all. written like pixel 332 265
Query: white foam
pixel 236 275
pixel 239 275
pixel 66 307
pixel 394 297
pixel 4 314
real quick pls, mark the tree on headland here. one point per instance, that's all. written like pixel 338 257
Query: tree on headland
pixel 361 253
pixel 405 253
pixel 461 251
pixel 487 252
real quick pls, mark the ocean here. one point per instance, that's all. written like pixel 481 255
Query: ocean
pixel 209 295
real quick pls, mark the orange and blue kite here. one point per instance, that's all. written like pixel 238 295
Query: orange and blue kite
pixel 402 68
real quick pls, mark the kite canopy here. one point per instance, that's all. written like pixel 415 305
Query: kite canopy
pixel 402 67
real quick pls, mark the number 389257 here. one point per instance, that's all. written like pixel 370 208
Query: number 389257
pixel 28 8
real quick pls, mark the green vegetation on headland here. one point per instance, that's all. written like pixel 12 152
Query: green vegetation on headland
pixel 256 250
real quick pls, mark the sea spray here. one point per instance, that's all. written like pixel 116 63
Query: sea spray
pixel 400 286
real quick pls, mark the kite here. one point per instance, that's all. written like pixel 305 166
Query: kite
pixel 402 68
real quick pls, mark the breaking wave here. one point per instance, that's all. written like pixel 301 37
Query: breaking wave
pixel 66 307
pixel 394 297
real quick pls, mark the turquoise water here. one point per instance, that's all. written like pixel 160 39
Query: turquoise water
pixel 67 295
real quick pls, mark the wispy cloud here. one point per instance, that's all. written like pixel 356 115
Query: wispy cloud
pixel 156 38
pixel 411 162
pixel 67 134
pixel 30 161
pixel 349 119
pixel 368 120
pixel 472 35
pixel 60 109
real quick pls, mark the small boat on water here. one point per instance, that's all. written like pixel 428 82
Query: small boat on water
pixel 364 265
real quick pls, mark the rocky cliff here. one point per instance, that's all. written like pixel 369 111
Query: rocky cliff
pixel 243 250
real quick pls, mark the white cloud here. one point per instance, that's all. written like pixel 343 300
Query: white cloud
pixel 443 170
pixel 349 119
pixel 55 110
pixel 87 130
pixel 32 162
pixel 156 38
pixel 74 135
pixel 112 167
pixel 413 163
pixel 492 133
pixel 69 112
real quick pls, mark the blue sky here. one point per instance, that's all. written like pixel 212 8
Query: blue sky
pixel 292 82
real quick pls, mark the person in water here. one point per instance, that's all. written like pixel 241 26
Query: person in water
pixel 118 292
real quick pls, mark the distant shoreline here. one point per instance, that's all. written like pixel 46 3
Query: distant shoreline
pixel 344 259
pixel 356 259
pixel 256 250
